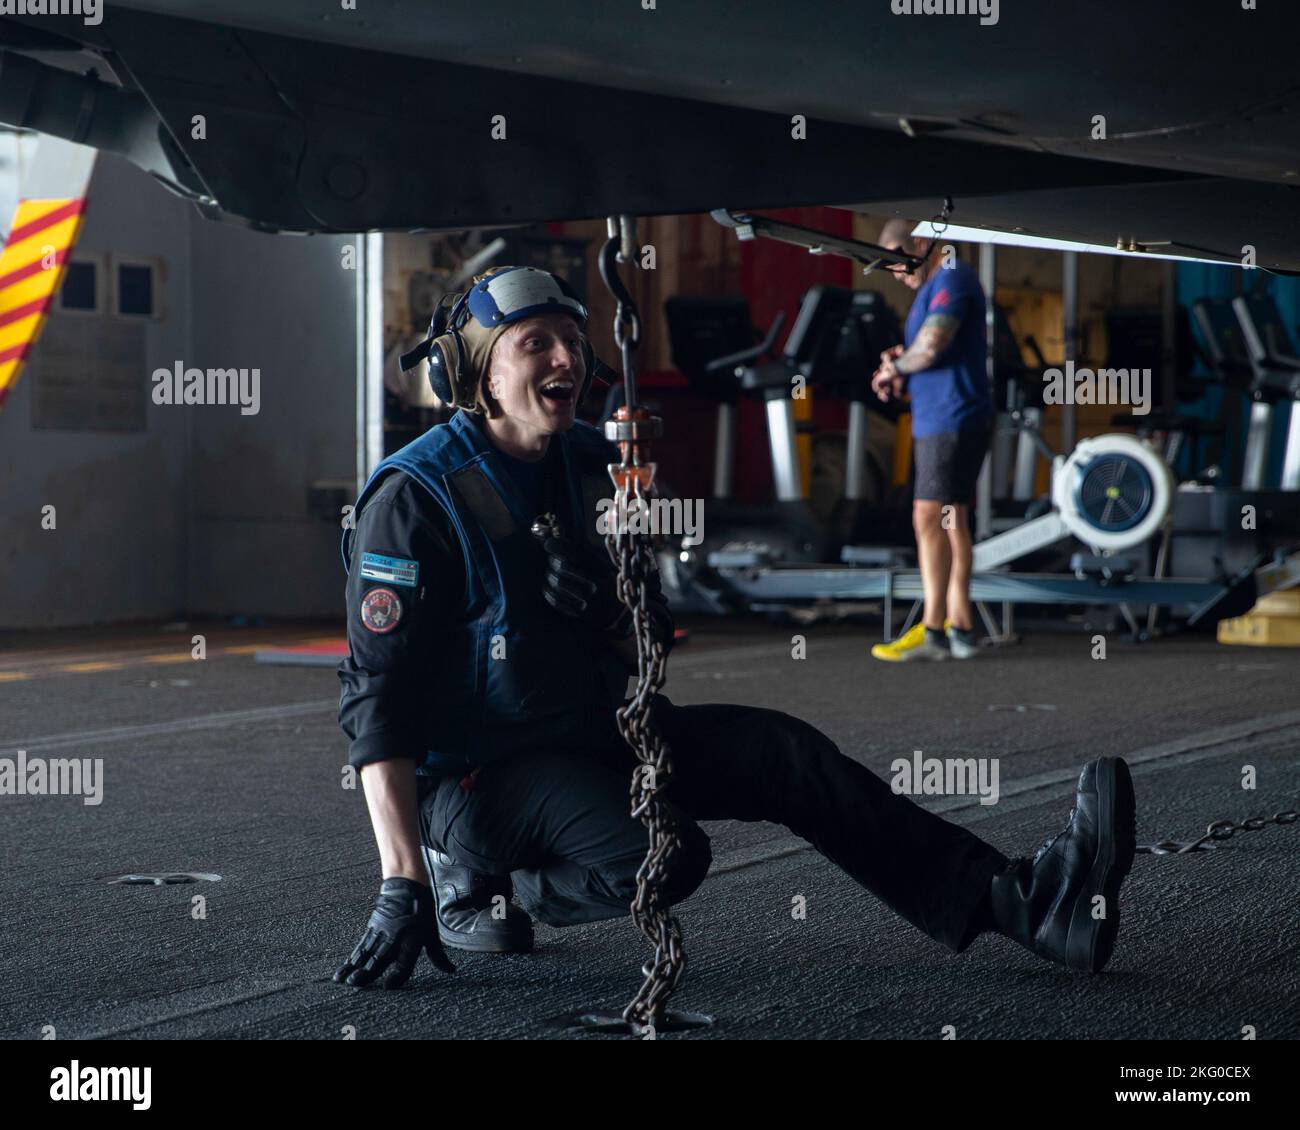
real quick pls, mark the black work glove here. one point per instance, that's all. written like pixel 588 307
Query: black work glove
pixel 577 587
pixel 403 923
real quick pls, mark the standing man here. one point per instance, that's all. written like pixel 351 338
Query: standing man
pixel 941 367
pixel 486 668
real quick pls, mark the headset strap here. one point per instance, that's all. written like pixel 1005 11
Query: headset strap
pixel 444 316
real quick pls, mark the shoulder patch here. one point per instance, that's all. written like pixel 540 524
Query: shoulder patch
pixel 392 570
pixel 381 610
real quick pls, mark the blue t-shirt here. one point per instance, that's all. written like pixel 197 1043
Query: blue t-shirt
pixel 955 392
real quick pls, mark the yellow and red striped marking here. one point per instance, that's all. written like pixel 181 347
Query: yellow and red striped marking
pixel 32 266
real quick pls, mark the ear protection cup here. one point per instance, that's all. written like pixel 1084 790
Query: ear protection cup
pixel 445 348
pixel 445 353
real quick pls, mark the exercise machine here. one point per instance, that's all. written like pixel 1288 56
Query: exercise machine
pixel 700 330
pixel 837 336
pixel 1276 371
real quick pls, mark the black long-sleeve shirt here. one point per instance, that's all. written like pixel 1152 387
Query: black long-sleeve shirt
pixel 383 707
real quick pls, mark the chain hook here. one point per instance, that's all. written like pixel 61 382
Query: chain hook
pixel 620 248
pixel 632 553
pixel 939 221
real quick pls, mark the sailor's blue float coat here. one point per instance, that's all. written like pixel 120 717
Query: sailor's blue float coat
pixel 509 673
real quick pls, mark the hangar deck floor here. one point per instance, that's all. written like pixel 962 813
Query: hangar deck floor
pixel 231 767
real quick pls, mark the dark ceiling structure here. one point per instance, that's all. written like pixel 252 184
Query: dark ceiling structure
pixel 407 114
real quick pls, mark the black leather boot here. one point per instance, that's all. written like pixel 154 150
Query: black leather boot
pixel 466 909
pixel 1046 904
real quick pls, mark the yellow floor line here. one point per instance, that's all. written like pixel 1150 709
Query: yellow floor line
pixel 91 666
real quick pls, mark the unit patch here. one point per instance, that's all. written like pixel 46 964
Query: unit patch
pixel 381 609
pixel 391 570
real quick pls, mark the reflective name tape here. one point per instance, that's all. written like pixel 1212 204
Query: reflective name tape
pixel 392 570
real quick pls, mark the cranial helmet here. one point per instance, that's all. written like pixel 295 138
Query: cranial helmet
pixel 466 326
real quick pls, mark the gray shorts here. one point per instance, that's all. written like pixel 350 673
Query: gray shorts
pixel 948 464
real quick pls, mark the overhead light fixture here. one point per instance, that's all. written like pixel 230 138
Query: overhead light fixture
pixel 1132 249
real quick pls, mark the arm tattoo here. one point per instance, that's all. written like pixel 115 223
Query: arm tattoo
pixel 935 335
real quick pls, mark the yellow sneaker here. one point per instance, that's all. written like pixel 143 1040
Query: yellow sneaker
pixel 911 645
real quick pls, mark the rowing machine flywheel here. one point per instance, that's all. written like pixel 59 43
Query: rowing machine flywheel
pixel 1113 492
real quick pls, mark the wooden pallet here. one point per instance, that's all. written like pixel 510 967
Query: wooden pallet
pixel 1273 622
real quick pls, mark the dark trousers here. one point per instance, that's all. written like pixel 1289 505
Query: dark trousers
pixel 559 823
